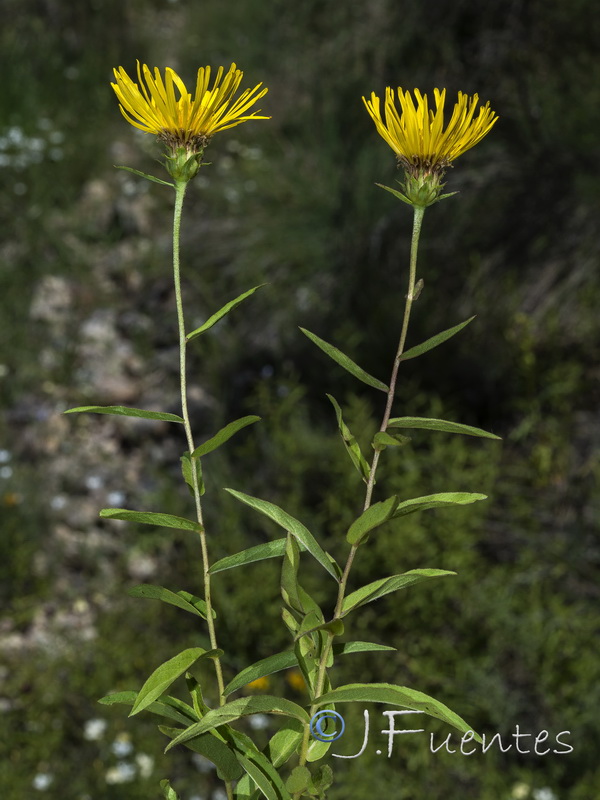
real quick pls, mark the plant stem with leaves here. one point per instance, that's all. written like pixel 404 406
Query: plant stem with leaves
pixel 180 187
pixel 419 212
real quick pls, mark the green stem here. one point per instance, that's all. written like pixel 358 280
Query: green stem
pixel 180 187
pixel 419 211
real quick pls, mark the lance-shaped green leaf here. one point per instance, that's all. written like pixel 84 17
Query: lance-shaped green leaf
pixel 345 648
pixel 317 749
pixel 260 768
pixel 396 696
pixel 372 518
pixel 287 660
pixel 191 469
pixel 181 599
pixel 163 676
pixel 168 791
pixel 151 518
pixel 260 778
pixel 166 706
pixel 197 602
pixel 439 425
pixel 440 500
pixel 290 621
pixel 293 526
pixel 245 789
pixel 221 313
pixel 214 749
pixel 350 443
pixel 396 193
pixel 289 575
pixel 144 175
pixel 429 344
pixel 258 553
pixel 243 706
pixel 223 435
pixel 309 603
pixel 376 589
pixel 306 652
pixel 345 362
pixel 123 411
pixel 285 742
pixel 383 439
pixel 195 691
pixel 266 666
pixel 294 596
pixel 334 626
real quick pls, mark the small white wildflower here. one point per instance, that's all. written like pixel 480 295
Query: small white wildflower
pixel 122 745
pixel 115 499
pixel 94 729
pixel 42 781
pixel 81 606
pixel 145 764
pixel 122 773
pixel 545 793
pixel 94 482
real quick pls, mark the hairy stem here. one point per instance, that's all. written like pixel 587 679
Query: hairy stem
pixel 417 222
pixel 416 232
pixel 180 187
pixel 414 247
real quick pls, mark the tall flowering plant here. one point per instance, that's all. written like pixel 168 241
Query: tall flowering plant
pixel 425 147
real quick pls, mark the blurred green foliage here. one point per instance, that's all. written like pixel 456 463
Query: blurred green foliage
pixel 292 202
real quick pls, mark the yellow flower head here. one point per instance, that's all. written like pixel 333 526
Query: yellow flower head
pixel 259 685
pixel 166 108
pixel 416 133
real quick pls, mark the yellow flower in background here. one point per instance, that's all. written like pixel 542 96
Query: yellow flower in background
pixel 166 108
pixel 11 499
pixel 259 685
pixel 416 133
pixel 296 680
